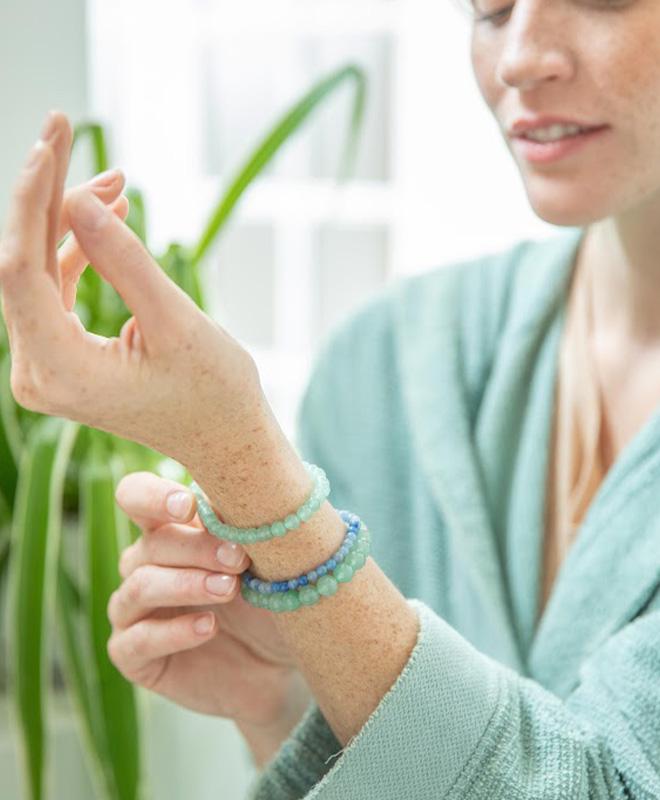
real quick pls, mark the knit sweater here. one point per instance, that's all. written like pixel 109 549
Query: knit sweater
pixel 430 410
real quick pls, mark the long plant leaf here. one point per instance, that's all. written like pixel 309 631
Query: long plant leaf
pixel 96 135
pixel 11 439
pixel 75 647
pixel 35 541
pixel 137 214
pixel 281 133
pixel 106 534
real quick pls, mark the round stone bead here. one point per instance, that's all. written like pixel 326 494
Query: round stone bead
pixel 305 512
pixel 264 532
pixel 250 537
pixel 277 602
pixel 278 529
pixel 291 601
pixel 308 595
pixel 292 522
pixel 355 559
pixel 343 573
pixel 321 570
pixel 326 585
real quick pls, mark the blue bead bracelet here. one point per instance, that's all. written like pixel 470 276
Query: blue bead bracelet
pixel 324 580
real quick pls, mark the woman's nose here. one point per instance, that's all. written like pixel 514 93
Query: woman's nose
pixel 535 47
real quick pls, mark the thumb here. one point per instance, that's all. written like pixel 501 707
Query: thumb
pixel 124 262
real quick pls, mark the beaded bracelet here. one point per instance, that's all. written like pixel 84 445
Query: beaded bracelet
pixel 284 595
pixel 320 490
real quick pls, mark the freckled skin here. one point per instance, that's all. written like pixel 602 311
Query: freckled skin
pixel 592 60
pixel 597 61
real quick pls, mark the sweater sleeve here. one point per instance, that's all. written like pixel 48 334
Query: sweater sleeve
pixel 458 725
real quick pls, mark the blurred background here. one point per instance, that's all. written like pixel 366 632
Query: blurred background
pixel 185 90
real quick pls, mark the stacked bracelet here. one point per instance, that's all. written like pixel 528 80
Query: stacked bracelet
pixel 319 492
pixel 308 588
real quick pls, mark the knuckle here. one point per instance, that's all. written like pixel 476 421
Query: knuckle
pixel 24 390
pixel 140 641
pixel 137 584
pixel 125 560
pixel 113 606
pixel 114 651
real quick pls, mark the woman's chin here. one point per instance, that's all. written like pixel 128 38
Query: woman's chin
pixel 566 213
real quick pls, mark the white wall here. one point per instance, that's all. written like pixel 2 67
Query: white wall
pixel 42 66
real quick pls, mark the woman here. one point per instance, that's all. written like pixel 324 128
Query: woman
pixel 451 413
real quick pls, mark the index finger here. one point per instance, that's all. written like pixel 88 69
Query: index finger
pixel 58 131
pixel 30 297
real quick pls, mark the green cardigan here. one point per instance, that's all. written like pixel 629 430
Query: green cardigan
pixel 430 410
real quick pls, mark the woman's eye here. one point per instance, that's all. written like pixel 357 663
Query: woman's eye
pixel 493 17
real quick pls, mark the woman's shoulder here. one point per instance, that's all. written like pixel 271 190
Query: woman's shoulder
pixel 460 309
pixel 475 292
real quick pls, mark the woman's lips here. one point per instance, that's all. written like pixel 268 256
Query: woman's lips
pixel 547 152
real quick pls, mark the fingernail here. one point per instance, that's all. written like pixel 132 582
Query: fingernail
pixel 106 178
pixel 178 504
pixel 91 211
pixel 220 584
pixel 230 554
pixel 48 128
pixel 203 624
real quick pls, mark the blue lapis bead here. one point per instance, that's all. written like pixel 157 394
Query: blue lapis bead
pixel 322 570
pixel 302 580
pixel 331 563
pixel 293 583
pixel 312 576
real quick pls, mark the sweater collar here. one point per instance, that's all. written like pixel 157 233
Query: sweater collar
pixel 486 461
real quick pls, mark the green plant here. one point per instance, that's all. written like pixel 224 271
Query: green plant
pixel 61 530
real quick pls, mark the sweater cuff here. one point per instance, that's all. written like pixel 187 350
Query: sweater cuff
pixel 446 684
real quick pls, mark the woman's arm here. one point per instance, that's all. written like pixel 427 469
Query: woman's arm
pixel 351 646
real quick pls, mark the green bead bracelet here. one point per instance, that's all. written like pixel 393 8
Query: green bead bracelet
pixel 320 490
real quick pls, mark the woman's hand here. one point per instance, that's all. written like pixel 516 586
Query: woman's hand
pixel 238 668
pixel 171 375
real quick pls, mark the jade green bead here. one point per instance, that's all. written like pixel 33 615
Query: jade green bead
pixel 250 537
pixel 308 595
pixel 304 512
pixel 253 597
pixel 264 532
pixel 326 585
pixel 277 601
pixel 291 600
pixel 355 559
pixel 292 522
pixel 278 529
pixel 342 572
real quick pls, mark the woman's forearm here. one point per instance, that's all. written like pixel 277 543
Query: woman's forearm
pixel 350 647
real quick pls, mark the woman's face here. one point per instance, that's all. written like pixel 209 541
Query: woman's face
pixel 593 61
